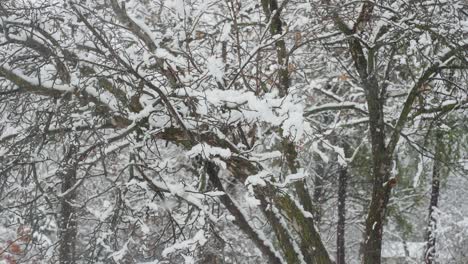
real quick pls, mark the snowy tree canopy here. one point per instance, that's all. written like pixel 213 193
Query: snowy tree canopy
pixel 204 131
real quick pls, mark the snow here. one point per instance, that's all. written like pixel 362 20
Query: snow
pixel 215 67
pixel 226 31
pixel 268 243
pixel 220 163
pixel 145 112
pixel 300 175
pixel 188 259
pixel 315 148
pixel 257 179
pixel 245 105
pixel 51 85
pixel 332 106
pixel 214 193
pixel 179 7
pixel 192 243
pixel 8 131
pixel 103 212
pixel 340 155
pixel 265 156
pixel 150 262
pixel 208 151
pixel 300 20
pixel 250 100
pixel 104 97
pixel 142 25
pixel 165 54
pixel 418 172
pixel 285 225
pixel 305 213
pixel 117 256
pixel 251 201
pixel 353 122
pixel 71 189
pixel 393 249
pixel 177 189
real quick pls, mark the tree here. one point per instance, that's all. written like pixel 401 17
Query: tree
pixel 184 122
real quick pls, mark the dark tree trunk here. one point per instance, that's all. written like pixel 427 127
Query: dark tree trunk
pixel 340 232
pixel 67 217
pixel 381 160
pixel 271 7
pixel 430 254
pixel 68 224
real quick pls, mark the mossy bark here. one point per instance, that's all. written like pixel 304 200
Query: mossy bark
pixel 311 243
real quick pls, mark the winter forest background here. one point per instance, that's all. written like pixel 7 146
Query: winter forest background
pixel 233 131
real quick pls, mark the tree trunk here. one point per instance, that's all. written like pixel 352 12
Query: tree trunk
pixel 67 217
pixel 241 221
pixel 270 7
pixel 374 224
pixel 311 242
pixel 68 224
pixel 340 230
pixel 381 161
pixel 430 252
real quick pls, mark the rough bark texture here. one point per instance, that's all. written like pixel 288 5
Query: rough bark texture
pixel 430 254
pixel 68 221
pixel 340 230
pixel 381 173
pixel 272 11
pixel 311 242
pixel 372 244
pixel 240 219
pixel 285 240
